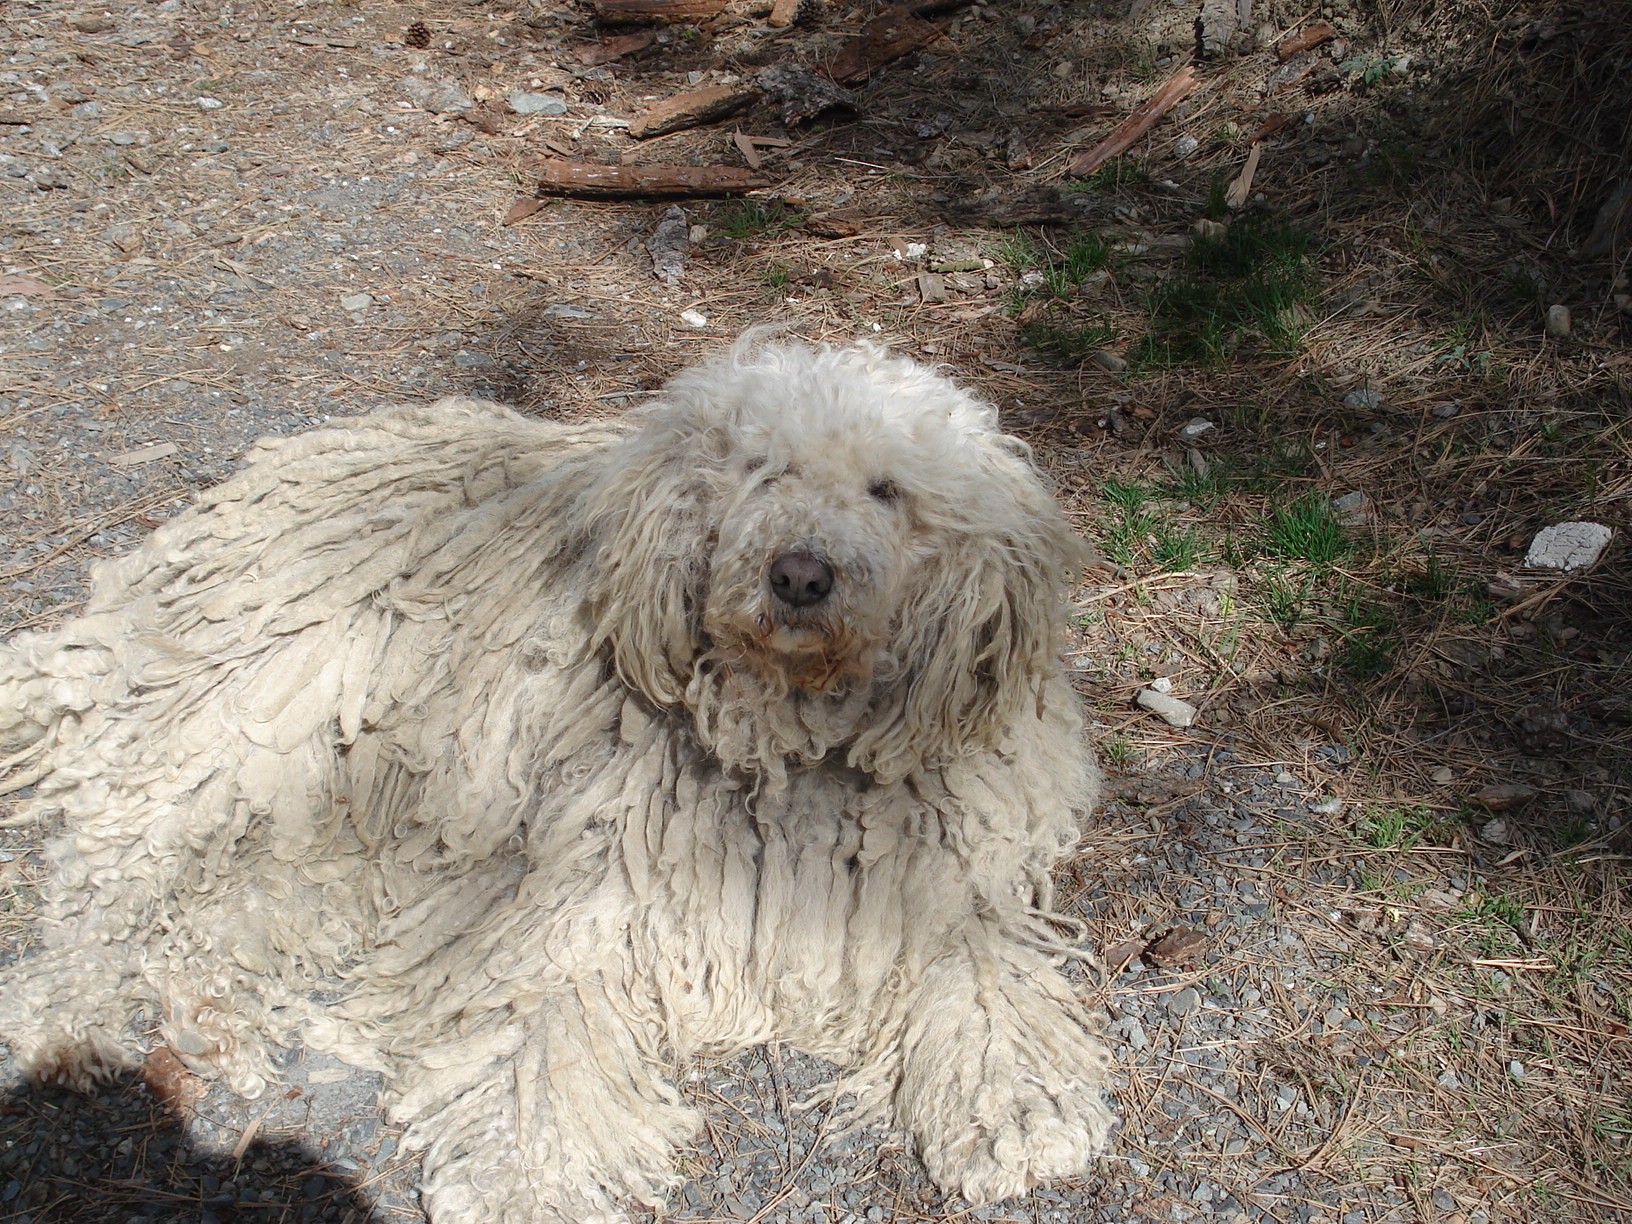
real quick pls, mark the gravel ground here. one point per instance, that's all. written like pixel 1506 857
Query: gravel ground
pixel 225 221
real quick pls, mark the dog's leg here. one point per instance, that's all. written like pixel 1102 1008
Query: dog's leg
pixel 1002 1078
pixel 550 1119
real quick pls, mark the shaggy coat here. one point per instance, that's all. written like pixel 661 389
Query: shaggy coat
pixel 520 760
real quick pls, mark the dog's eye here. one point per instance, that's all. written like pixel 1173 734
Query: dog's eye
pixel 884 490
pixel 754 464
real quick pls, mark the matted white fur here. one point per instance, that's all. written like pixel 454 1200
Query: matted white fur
pixel 482 751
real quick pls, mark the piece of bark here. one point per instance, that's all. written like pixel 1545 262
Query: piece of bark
pixel 657 10
pixel 800 93
pixel 692 109
pixel 1137 124
pixel 558 176
pixel 1216 25
pixel 1291 72
pixel 784 13
pixel 1269 127
pixel 1304 39
pixel 615 48
pixel 1238 191
pixel 1177 946
pixel 522 209
pixel 931 287
pixel 881 40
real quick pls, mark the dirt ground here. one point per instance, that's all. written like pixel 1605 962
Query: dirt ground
pixel 1311 361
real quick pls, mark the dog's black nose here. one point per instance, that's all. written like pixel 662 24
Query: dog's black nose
pixel 800 579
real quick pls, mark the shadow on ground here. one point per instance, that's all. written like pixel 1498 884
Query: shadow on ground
pixel 116 1156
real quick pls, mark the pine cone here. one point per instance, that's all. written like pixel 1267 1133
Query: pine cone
pixel 417 35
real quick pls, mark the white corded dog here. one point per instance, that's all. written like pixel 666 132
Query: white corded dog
pixel 520 760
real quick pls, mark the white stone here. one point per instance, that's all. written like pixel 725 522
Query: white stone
pixel 1568 546
pixel 354 302
pixel 1558 322
pixel 1162 684
pixel 1194 428
pixel 693 318
pixel 1172 711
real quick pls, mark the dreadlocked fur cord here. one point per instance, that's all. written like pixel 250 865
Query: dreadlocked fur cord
pixel 521 762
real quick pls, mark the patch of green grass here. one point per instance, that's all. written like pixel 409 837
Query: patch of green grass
pixel 1285 598
pixel 1251 288
pixel 1306 530
pixel 1115 174
pixel 1369 69
pixel 1371 637
pixel 1118 752
pixel 777 278
pixel 1394 828
pixel 1177 548
pixel 754 218
pixel 1068 341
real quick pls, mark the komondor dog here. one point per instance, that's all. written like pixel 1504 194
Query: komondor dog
pixel 521 760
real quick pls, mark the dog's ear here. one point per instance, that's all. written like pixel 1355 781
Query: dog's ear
pixel 979 635
pixel 645 527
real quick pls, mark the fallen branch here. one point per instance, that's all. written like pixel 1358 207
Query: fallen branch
pixel 597 182
pixel 692 109
pixel 1136 124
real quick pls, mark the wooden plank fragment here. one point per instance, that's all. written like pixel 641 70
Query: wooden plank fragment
pixel 692 109
pixel 557 176
pixel 657 10
pixel 1304 39
pixel 884 38
pixel 783 13
pixel 1137 124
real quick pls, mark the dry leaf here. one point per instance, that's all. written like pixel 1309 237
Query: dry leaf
pixel 1177 946
pixel 1118 955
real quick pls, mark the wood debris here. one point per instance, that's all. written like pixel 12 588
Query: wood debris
pixel 784 13
pixel 1238 191
pixel 596 54
pixel 657 10
pixel 692 109
pixel 1307 38
pixel 885 38
pixel 1179 945
pixel 1137 124
pixel 590 180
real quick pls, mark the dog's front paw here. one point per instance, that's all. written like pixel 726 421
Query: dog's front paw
pixel 1002 1082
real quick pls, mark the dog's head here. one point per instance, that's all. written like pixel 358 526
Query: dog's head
pixel 839 544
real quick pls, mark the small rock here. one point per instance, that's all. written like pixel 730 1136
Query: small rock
pixel 210 103
pixel 1568 546
pixel 1364 399
pixel 1494 832
pixel 469 359
pixel 567 310
pixel 1558 322
pixel 1444 1201
pixel 693 318
pixel 1209 230
pixel 87 110
pixel 1443 774
pixel 525 103
pixel 1184 1002
pixel 438 97
pixel 1444 411
pixel 1580 801
pixel 1184 146
pixel 1194 428
pixel 1174 712
pixel 1162 684
pixel 353 302
pixel 1109 361
pixel 1516 1069
pixel 1350 507
pixel 1327 807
